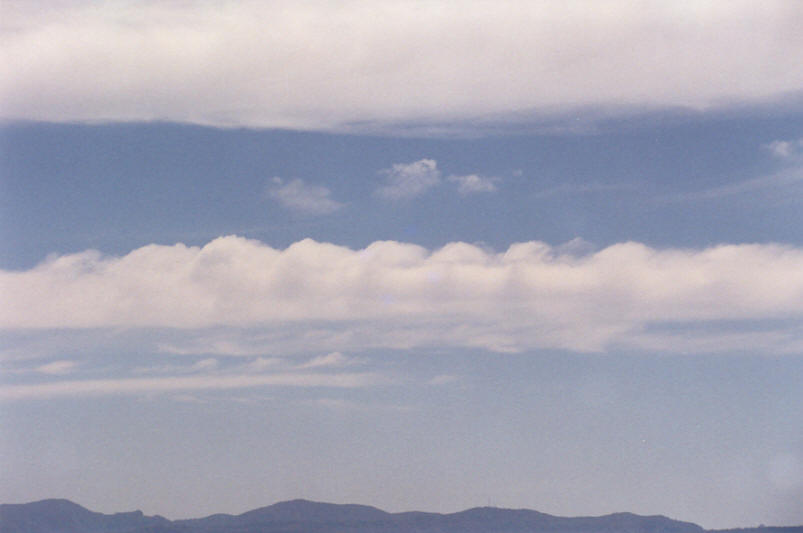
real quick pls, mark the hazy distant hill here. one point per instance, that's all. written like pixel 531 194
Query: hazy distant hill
pixel 63 516
pixel 300 516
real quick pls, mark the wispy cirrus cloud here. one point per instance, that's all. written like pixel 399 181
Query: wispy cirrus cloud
pixel 784 185
pixel 303 197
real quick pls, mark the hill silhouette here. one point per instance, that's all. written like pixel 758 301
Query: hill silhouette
pixel 297 516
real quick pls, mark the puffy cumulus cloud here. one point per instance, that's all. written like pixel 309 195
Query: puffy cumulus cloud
pixel 473 183
pixel 300 196
pixel 321 64
pixel 407 180
pixel 313 295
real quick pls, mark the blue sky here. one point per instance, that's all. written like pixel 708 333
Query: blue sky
pixel 371 261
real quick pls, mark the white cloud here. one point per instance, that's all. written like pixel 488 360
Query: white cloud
pixel 778 185
pixel 213 344
pixel 337 404
pixel 443 379
pixel 205 365
pixel 473 183
pixel 334 359
pixel 780 148
pixel 202 366
pixel 299 196
pixel 340 404
pixel 261 364
pixel 786 149
pixel 408 180
pixel 136 386
pixel 322 64
pixel 586 188
pixel 187 398
pixel 210 366
pixel 57 367
pixel 319 296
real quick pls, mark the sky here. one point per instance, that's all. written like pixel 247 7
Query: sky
pixel 417 255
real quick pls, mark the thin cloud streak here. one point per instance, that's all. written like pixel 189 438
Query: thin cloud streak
pixel 777 184
pixel 128 386
pixel 588 188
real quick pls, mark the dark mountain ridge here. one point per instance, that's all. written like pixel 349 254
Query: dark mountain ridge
pixel 297 516
pixel 57 516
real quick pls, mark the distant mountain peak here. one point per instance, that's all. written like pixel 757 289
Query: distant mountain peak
pixel 310 511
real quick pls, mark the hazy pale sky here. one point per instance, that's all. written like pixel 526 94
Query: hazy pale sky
pixel 418 255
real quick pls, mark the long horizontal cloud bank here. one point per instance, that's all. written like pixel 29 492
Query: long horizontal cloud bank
pixel 395 294
pixel 324 64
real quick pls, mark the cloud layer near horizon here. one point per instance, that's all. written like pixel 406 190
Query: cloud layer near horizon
pixel 98 387
pixel 330 64
pixel 401 295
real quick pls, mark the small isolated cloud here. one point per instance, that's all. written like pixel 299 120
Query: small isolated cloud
pixel 334 359
pixel 443 379
pixel 403 181
pixel 205 365
pixel 785 149
pixel 263 363
pixel 299 196
pixel 57 368
pixel 473 183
